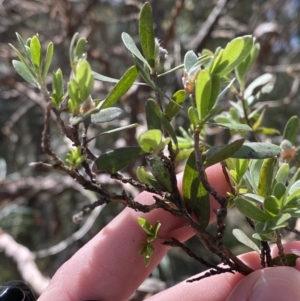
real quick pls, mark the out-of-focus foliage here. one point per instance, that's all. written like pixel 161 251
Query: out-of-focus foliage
pixel 27 201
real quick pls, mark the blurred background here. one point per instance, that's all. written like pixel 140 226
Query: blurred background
pixel 37 205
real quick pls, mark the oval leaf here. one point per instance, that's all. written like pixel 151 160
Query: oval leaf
pixel 130 45
pixel 146 34
pixel 115 160
pixel 244 239
pixel 190 59
pixel 250 210
pixel 120 88
pixel 153 115
pixel 195 196
pixel 203 91
pixel 36 52
pixel 215 155
pixel 291 129
pixel 24 72
pixel 268 170
pixel 48 59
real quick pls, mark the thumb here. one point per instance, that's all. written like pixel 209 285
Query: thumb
pixel 279 283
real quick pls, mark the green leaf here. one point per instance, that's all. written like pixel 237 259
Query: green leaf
pixel 233 126
pixel 234 53
pixel 72 46
pixel 257 84
pixel 263 228
pixel 146 178
pixel 145 225
pixel 290 258
pixel 48 59
pixel 250 210
pixel 168 127
pixel 254 197
pixel 280 221
pixel 130 45
pixel 160 172
pixel 150 140
pixel 115 160
pixel 291 129
pixel 264 237
pixel 24 72
pixel 146 33
pixel 153 115
pixel 84 77
pixel 279 192
pixel 257 150
pixel 195 195
pixel 193 116
pixel 271 205
pixel 80 48
pixel 212 113
pixel 283 173
pixel 244 239
pixel 266 176
pixel 23 46
pixel 94 116
pixel 215 89
pixel 119 129
pixel 36 52
pixel 221 154
pixel 253 150
pixel 226 89
pixel 203 87
pixel 242 69
pixel 104 78
pixel 190 59
pixel 120 88
pixel 173 108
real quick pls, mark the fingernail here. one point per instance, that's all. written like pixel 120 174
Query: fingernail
pixel 279 283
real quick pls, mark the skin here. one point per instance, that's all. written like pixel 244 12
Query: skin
pixel 108 268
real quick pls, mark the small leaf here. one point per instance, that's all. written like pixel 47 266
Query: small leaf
pixel 168 127
pixel 24 72
pixel 104 78
pixel 130 45
pixel 153 115
pixel 233 126
pixel 258 83
pixel 80 48
pixel 106 115
pixel 146 178
pixel 263 237
pixel 160 172
pixel 250 210
pixel 36 52
pixel 146 34
pixel 226 89
pixel 254 197
pixel 257 150
pixel 203 92
pixel 279 192
pixel 266 176
pixel 244 239
pixel 283 173
pixel 223 153
pixel 195 195
pixel 280 221
pixel 234 53
pixel 190 59
pixel 145 225
pixel 290 258
pixel 271 205
pixel 115 160
pixel 48 59
pixel 120 88
pixel 173 108
pixel 242 69
pixel 150 140
pixel 193 116
pixel 291 129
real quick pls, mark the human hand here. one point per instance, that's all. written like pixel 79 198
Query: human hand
pixel 108 268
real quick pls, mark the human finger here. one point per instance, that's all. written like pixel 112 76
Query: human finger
pixel 109 267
